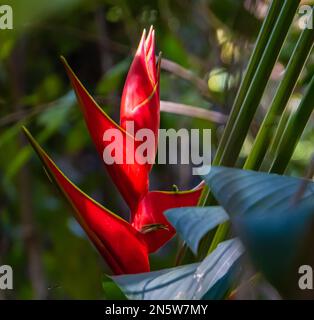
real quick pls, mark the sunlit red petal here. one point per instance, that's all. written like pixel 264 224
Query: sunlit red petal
pixel 150 55
pixel 151 209
pixel 131 179
pixel 116 240
pixel 140 97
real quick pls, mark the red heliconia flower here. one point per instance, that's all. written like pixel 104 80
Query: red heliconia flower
pixel 124 246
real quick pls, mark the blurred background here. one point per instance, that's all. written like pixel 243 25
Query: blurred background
pixel 205 45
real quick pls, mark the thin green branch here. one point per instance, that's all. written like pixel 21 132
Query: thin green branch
pixel 256 56
pixel 293 131
pixel 282 96
pixel 270 153
pixel 258 84
pixel 261 42
pixel 239 130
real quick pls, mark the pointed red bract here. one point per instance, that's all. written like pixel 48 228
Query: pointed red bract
pixel 140 97
pixel 118 242
pixel 130 179
pixel 150 55
pixel 151 211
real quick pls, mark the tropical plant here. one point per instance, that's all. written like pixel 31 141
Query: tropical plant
pixel 248 226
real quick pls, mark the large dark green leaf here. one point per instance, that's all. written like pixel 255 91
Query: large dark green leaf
pixel 279 242
pixel 276 231
pixel 192 223
pixel 193 281
pixel 243 191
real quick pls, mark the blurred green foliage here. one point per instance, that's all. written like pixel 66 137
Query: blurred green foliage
pixel 213 39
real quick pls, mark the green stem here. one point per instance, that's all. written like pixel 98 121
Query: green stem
pixel 262 39
pixel 252 99
pixel 258 84
pixel 257 53
pixel 282 96
pixel 270 153
pixel 293 131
